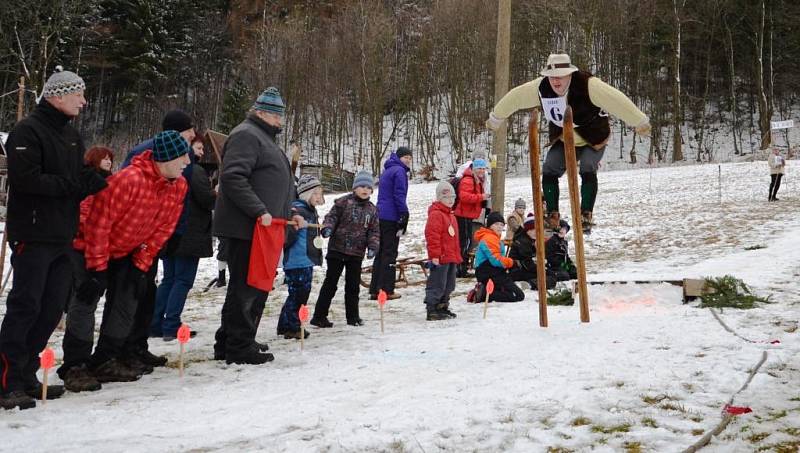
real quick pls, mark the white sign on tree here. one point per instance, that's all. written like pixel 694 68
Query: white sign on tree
pixel 782 124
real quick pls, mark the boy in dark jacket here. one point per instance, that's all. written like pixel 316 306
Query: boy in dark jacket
pixel 441 238
pixel 352 226
pixel 557 249
pixel 523 250
pixel 491 263
pixel 300 256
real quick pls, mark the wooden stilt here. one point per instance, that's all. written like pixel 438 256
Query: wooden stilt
pixel 574 201
pixel 538 212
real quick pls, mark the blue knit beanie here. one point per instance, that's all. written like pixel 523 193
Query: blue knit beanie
pixel 364 179
pixel 479 163
pixel 169 145
pixel 270 101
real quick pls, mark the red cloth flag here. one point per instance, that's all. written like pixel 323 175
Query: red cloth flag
pixel 265 253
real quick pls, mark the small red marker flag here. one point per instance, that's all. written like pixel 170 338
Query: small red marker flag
pixel 737 410
pixel 184 333
pixel 381 297
pixel 303 313
pixel 47 359
pixel 489 287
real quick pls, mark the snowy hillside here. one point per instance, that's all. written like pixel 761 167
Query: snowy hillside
pixel 648 373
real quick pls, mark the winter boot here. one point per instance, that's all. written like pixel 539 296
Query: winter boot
pixel 444 307
pixel 355 322
pixel 251 357
pixel 115 371
pixel 321 323
pixel 149 358
pixel 221 282
pixel 18 399
pixel 135 364
pixel 80 379
pixel 53 391
pixel 295 335
pixel 551 221
pixel 437 315
pixel 474 295
pixel 586 220
pixel 393 296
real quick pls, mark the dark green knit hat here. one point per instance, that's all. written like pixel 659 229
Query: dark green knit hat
pixel 169 145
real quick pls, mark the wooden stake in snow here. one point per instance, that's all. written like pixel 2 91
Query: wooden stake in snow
pixel 381 303
pixel 303 315
pixel 538 212
pixel 489 290
pixel 46 360
pixel 184 334
pixel 574 200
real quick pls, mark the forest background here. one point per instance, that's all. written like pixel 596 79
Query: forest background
pixel 360 76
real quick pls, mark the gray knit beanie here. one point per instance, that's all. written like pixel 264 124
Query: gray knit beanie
pixel 520 203
pixel 307 183
pixel 445 192
pixel 62 82
pixel 364 179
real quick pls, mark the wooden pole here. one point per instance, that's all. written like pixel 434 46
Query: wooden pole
pixel 538 213
pixel 180 362
pixel 501 77
pixel 486 304
pixel 20 111
pixel 302 335
pixel 574 201
pixel 381 305
pixel 44 385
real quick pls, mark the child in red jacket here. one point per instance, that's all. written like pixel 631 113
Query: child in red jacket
pixel 441 237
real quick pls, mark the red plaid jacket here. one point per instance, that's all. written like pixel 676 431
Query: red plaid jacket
pixel 136 214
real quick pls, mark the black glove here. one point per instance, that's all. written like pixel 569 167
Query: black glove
pixel 326 232
pixel 94 286
pixel 370 254
pixel 402 224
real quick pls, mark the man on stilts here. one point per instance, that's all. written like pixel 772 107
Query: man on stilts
pixel 591 100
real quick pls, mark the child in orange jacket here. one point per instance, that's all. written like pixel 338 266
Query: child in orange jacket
pixel 491 263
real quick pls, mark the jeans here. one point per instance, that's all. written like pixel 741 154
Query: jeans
pixel 179 275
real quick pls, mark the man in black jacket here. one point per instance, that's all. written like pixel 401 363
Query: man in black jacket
pixel 48 182
pixel 256 184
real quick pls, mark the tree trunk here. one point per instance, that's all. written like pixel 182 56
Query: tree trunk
pixel 677 148
pixel 764 113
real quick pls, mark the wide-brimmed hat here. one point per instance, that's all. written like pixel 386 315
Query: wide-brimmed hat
pixel 558 65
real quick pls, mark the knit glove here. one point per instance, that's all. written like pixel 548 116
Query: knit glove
pixel 370 254
pixel 94 286
pixel 402 224
pixel 326 232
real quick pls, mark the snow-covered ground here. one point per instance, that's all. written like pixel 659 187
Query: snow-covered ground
pixel 648 373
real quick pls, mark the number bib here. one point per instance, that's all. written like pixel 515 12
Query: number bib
pixel 554 108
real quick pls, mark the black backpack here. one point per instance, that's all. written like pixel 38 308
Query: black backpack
pixel 455 181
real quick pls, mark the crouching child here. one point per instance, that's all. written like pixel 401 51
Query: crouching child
pixel 300 256
pixel 491 263
pixel 523 250
pixel 444 253
pixel 352 226
pixel 557 252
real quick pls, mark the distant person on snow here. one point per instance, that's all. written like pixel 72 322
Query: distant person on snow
pixel 777 165
pixel 393 216
pixel 469 206
pixel 515 219
pixel 591 99
pixel 557 252
pixel 444 255
pixel 491 263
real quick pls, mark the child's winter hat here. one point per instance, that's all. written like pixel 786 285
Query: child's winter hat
pixel 530 222
pixel 62 82
pixel 364 179
pixel 169 145
pixel 479 163
pixel 445 191
pixel 520 203
pixel 307 183
pixel 494 217
pixel 403 151
pixel 270 101
pixel 563 224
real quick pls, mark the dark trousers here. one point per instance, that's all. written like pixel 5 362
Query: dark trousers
pixel 41 288
pixel 140 330
pixel 383 266
pixel 179 275
pixel 774 185
pixel 441 283
pixel 299 283
pixel 122 299
pixel 525 275
pixel 244 304
pixel 337 263
pixel 464 241
pixel 505 290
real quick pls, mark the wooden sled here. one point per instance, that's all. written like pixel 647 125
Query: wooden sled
pixel 405 267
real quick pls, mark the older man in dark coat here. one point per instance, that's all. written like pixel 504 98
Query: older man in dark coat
pixel 256 184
